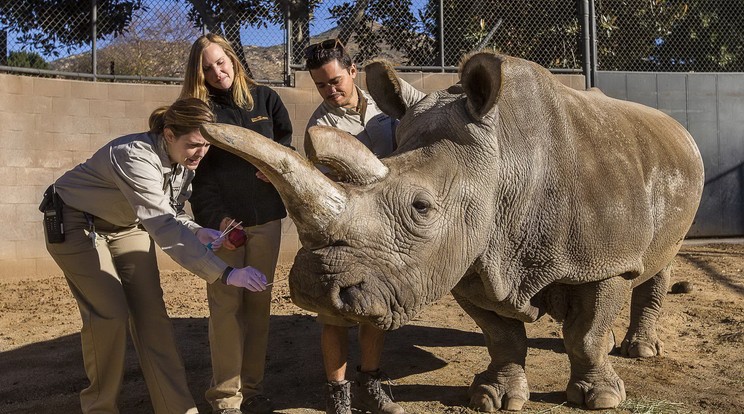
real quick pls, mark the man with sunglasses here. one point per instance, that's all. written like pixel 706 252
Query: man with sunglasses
pixel 347 107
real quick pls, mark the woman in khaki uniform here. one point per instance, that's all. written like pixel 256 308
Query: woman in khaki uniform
pixel 129 193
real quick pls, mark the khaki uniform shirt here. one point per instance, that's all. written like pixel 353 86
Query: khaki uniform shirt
pixel 131 181
pixel 369 125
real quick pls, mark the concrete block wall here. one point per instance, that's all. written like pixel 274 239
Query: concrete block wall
pixel 48 126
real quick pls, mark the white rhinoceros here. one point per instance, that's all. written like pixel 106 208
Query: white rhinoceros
pixel 517 194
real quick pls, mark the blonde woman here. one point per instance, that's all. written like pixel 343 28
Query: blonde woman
pixel 229 189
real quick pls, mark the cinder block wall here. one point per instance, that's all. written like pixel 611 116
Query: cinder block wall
pixel 48 126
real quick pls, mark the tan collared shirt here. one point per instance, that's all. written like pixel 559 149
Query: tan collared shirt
pixel 369 125
pixel 131 181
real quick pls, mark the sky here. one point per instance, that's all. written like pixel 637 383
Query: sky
pixel 175 10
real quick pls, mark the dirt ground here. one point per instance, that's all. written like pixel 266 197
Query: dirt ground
pixel 431 361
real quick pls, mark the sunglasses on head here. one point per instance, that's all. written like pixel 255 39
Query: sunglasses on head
pixel 329 44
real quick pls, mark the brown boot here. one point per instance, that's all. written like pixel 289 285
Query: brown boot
pixel 338 397
pixel 369 395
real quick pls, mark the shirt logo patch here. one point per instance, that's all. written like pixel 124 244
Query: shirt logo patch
pixel 259 118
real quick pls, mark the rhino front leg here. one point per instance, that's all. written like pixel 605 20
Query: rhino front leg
pixel 641 341
pixel 503 385
pixel 587 329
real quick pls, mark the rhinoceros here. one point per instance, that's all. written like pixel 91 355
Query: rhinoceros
pixel 520 196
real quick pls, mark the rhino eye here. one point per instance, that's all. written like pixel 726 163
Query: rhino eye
pixel 421 206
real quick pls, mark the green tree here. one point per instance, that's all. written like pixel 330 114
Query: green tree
pixel 227 17
pixel 56 25
pixel 299 14
pixel 639 35
pixel 49 25
pixel 666 35
pixel 545 31
pixel 628 35
pixel 374 24
pixel 707 38
pixel 27 60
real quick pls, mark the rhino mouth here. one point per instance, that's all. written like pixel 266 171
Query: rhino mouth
pixel 353 302
pixel 353 295
pixel 357 303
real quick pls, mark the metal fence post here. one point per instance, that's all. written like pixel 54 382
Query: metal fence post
pixel 93 35
pixel 3 47
pixel 288 48
pixel 441 34
pixel 586 44
pixel 593 36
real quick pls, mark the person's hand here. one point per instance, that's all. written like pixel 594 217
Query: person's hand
pixel 261 176
pixel 247 277
pixel 227 221
pixel 209 238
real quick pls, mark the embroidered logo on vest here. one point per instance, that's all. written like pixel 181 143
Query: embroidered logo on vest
pixel 259 118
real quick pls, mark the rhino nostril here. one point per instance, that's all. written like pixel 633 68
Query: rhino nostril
pixel 353 299
pixel 348 294
pixel 339 243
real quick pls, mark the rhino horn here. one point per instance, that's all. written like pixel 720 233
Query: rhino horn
pixel 347 156
pixel 392 94
pixel 312 199
pixel 480 76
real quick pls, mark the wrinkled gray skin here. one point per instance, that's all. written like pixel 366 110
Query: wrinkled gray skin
pixel 517 194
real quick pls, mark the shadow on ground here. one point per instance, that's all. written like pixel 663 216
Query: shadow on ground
pixel 51 375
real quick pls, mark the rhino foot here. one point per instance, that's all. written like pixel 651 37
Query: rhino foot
pixel 491 392
pixel 597 395
pixel 641 347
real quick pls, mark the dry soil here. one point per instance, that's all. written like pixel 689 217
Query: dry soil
pixel 430 362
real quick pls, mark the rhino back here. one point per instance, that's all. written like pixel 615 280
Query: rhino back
pixel 637 178
pixel 586 187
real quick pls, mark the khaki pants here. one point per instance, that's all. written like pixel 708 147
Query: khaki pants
pixel 239 321
pixel 117 284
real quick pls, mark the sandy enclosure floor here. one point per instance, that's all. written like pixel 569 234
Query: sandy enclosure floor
pixel 431 361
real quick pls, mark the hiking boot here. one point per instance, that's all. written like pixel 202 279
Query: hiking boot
pixel 258 404
pixel 338 397
pixel 369 395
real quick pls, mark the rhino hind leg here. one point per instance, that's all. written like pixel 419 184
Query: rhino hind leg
pixel 503 385
pixel 587 330
pixel 642 341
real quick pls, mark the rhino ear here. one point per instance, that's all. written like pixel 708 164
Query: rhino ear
pixel 480 76
pixel 391 94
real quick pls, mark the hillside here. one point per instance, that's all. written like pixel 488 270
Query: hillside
pixel 160 59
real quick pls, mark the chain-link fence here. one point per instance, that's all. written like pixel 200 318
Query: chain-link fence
pixel 150 39
pixel 670 36
pixel 132 39
pixel 410 34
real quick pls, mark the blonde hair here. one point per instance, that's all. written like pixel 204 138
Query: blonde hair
pixel 181 117
pixel 195 84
